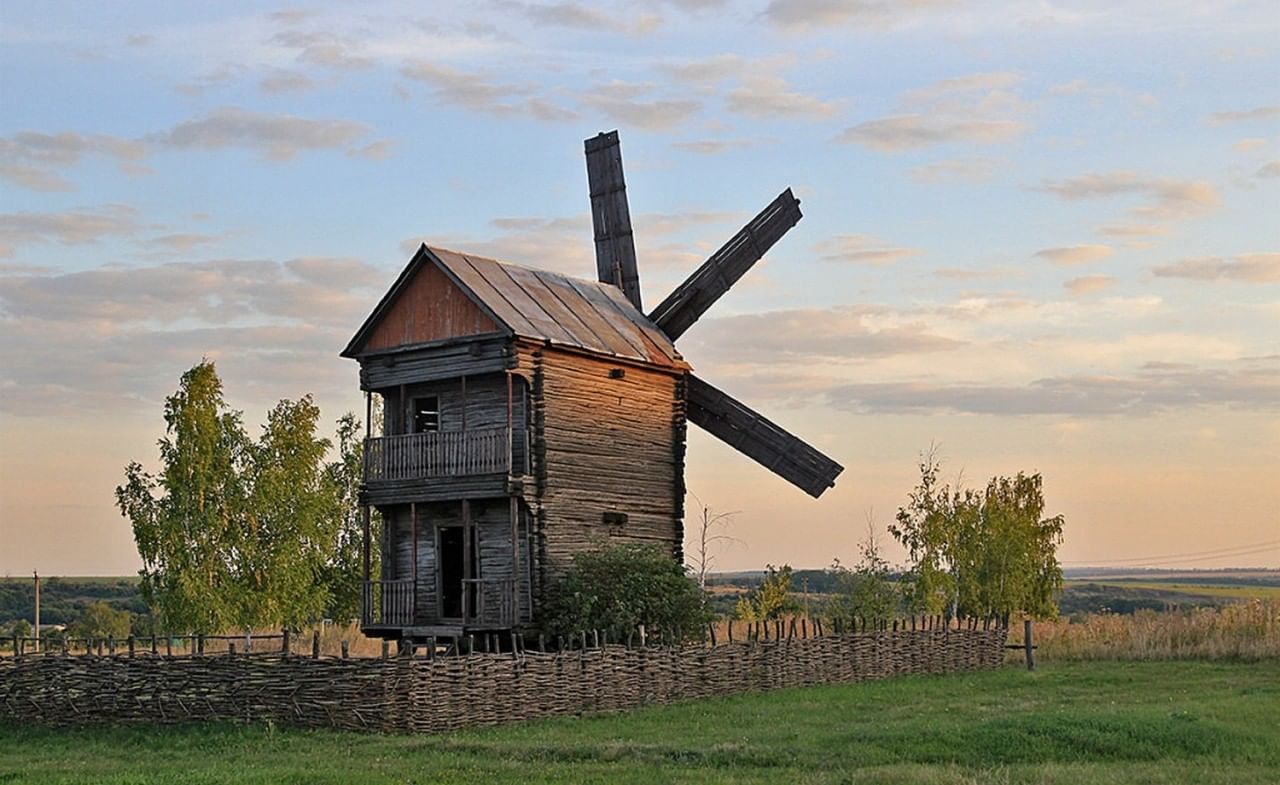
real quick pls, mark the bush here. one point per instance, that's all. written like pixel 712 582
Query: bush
pixel 616 589
pixel 771 599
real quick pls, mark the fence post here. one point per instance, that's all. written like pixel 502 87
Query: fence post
pixel 1027 644
pixel 286 644
pixel 345 650
pixel 315 645
pixel 386 647
pixel 642 636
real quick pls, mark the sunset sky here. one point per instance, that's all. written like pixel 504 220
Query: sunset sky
pixel 1042 236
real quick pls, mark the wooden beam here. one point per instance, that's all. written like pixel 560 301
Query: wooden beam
pixel 760 439
pixel 723 269
pixel 611 217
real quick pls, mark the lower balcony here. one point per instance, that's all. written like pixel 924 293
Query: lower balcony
pixel 391 607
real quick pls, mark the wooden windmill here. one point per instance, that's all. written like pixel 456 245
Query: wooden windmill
pixel 529 416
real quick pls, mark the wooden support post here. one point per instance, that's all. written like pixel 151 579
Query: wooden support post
pixel 36 576
pixel 315 645
pixel 231 648
pixel 413 568
pixel 366 544
pixel 200 644
pixel 731 630
pixel 131 644
pixel 386 648
pixel 1028 645
pixel 168 645
pixel 286 643
pixel 642 637
pixel 17 647
pixel 345 651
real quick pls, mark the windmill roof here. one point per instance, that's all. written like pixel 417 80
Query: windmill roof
pixel 541 305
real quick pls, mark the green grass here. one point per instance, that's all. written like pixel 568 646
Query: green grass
pixel 1077 724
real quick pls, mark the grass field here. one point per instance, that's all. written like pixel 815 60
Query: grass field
pixel 1076 724
pixel 1235 592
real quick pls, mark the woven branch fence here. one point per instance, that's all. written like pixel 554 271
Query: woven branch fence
pixel 416 694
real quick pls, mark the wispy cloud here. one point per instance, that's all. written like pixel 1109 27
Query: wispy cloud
pixel 481 93
pixel 69 227
pixel 976 109
pixel 1256 114
pixel 765 96
pixel 631 104
pixel 862 249
pixel 1166 198
pixel 1245 268
pixel 1089 284
pixel 1075 254
pixel 798 15
pixel 578 16
pixel 36 161
pixel 278 137
pixel 955 170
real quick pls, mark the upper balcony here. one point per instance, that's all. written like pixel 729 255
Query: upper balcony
pixel 475 452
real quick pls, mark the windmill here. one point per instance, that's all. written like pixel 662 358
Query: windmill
pixel 710 408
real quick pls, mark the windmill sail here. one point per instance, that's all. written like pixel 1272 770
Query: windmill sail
pixel 615 245
pixel 760 439
pixel 710 281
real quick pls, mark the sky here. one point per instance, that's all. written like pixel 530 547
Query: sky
pixel 1039 237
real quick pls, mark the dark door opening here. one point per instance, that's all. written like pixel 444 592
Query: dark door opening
pixel 453 591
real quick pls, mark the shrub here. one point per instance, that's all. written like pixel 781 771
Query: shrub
pixel 771 599
pixel 616 589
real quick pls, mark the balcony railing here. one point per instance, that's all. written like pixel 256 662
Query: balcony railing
pixel 414 456
pixel 490 602
pixel 388 603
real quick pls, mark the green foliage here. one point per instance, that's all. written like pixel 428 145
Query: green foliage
pixel 100 620
pixel 21 628
pixel 867 591
pixel 618 588
pixel 238 533
pixel 343 572
pixel 771 599
pixel 980 552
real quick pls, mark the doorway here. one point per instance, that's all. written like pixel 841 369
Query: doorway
pixel 453 572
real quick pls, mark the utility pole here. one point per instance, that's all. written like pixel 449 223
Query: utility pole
pixel 36 576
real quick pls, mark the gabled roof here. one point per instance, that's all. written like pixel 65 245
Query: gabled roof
pixel 539 305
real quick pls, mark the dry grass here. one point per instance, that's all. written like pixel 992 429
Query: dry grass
pixel 1246 631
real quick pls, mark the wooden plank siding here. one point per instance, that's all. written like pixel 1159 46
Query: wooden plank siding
pixel 430 307
pixel 604 444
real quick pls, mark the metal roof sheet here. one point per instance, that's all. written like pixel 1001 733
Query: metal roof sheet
pixel 560 309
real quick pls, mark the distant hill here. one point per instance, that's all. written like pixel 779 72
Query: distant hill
pixel 63 599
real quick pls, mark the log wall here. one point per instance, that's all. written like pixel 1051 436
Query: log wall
pixel 604 444
pixel 419 695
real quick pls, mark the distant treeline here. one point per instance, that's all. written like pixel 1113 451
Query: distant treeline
pixel 63 600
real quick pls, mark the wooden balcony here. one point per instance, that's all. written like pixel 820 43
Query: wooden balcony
pixel 388 603
pixel 416 456
pixel 488 603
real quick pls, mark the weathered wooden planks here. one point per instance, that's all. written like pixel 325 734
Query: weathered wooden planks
pixel 611 217
pixel 759 438
pixel 722 270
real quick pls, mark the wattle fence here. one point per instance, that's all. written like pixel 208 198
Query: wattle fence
pixel 417 694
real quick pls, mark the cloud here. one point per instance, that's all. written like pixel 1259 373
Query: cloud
pixel 323 49
pixel 33 160
pixel 1133 230
pixel 1075 254
pixel 620 103
pixel 81 226
pixel 1245 268
pixel 707 70
pixel 1247 115
pixel 310 290
pixel 861 249
pixel 800 15
pixel 1166 198
pixel 1089 284
pixel 712 146
pixel 1249 144
pixel 280 81
pixel 1268 170
pixel 476 92
pixel 1153 388
pixel 560 244
pixel 841 334
pixel 907 132
pixel 278 137
pixel 581 17
pixel 977 109
pixel 955 170
pixel 766 96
